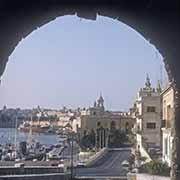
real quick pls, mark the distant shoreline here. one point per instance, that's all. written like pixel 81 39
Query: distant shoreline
pixel 7 127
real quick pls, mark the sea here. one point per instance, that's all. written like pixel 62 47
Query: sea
pixel 7 135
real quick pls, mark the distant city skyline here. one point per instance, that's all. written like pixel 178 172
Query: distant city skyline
pixel 70 61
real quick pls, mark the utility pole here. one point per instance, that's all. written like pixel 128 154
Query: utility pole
pixel 107 137
pixel 16 137
pixel 100 138
pixel 96 140
pixel 72 146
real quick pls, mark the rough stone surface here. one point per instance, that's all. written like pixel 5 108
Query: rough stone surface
pixel 146 177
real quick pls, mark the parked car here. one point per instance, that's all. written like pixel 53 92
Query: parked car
pixel 80 165
pixel 125 165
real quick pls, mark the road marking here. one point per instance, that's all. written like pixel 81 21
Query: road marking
pixel 102 177
pixel 115 157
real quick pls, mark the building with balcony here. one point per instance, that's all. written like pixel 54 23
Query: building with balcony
pixel 147 107
pixel 167 97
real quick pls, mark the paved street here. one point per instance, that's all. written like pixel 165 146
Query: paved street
pixel 108 165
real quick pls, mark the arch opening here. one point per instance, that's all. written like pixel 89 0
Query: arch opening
pixel 170 74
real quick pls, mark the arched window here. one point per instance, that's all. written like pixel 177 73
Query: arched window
pixel 113 125
pixel 98 124
pixel 127 127
pixel 85 132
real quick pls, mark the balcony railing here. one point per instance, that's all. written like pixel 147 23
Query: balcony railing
pixel 163 123
pixel 167 123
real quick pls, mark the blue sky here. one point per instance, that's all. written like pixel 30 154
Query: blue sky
pixel 70 61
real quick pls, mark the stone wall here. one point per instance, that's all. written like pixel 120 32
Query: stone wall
pixel 29 170
pixel 37 176
pixel 146 177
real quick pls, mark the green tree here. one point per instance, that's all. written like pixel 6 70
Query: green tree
pixel 88 140
pixel 117 138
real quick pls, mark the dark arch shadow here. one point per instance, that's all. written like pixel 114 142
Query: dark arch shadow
pixel 157 21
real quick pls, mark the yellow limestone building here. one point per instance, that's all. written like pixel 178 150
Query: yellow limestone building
pixel 96 117
pixel 148 117
pixel 168 97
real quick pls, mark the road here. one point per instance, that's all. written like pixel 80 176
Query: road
pixel 108 165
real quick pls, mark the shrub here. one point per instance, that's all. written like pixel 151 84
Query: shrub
pixel 156 168
pixel 117 138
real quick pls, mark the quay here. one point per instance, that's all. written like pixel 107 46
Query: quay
pixel 54 176
pixel 108 165
pixel 33 173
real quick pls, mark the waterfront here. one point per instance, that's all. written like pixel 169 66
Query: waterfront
pixel 7 135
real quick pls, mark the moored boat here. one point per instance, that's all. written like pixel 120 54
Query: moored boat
pixel 25 127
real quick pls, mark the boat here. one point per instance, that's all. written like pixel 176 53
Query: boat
pixel 25 127
pixel 56 152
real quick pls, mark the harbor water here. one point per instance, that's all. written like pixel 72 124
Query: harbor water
pixel 7 135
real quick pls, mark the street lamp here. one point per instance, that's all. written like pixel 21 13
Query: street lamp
pixel 72 148
pixel 15 139
pixel 106 137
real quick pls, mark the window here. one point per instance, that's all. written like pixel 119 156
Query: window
pixel 169 112
pixel 113 125
pixel 163 123
pixel 151 125
pixel 127 127
pixel 166 146
pixel 85 132
pixel 151 109
pixel 98 124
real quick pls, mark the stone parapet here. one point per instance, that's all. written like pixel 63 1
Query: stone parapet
pixel 133 176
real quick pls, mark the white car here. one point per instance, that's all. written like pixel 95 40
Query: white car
pixel 125 165
pixel 81 164
pixel 19 165
pixel 63 167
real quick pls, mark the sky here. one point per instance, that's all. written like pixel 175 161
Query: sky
pixel 71 61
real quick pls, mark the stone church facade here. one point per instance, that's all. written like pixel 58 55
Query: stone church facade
pixel 97 117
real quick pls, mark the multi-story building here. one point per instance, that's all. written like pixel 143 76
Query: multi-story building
pixel 168 120
pixel 148 116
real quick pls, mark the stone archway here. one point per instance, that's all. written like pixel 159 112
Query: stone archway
pixel 156 21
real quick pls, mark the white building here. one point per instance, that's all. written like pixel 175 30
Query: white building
pixel 168 119
pixel 148 117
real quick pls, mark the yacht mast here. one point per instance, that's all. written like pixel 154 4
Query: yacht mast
pixel 30 132
pixel 15 143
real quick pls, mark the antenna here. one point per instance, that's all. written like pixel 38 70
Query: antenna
pixel 161 75
pixel 158 57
